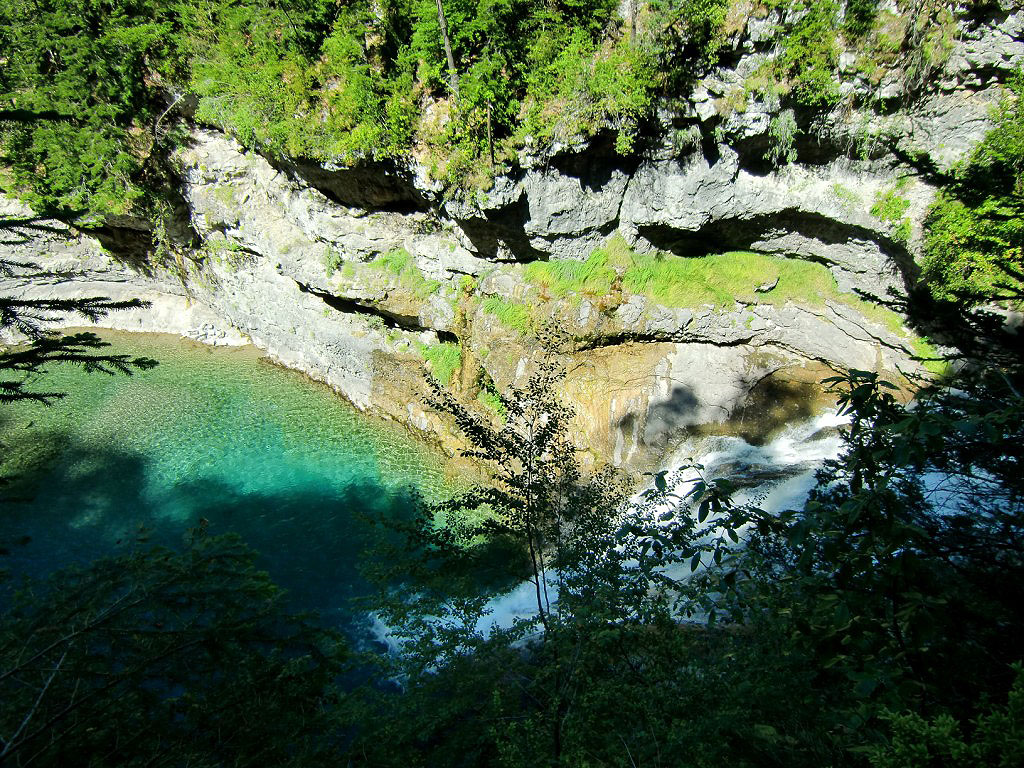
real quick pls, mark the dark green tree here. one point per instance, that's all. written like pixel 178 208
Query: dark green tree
pixel 87 87
pixel 164 659
pixel 22 364
pixel 600 668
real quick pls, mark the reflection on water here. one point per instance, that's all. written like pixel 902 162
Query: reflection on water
pixel 211 437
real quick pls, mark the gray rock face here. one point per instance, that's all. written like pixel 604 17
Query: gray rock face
pixel 947 126
pixel 820 214
pixel 71 265
pixel 544 212
pixel 988 47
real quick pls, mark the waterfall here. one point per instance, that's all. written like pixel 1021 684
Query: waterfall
pixel 775 476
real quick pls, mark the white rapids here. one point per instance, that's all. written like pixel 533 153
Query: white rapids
pixel 775 476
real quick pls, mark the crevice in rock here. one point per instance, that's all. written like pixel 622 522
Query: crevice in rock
pixel 603 230
pixel 619 339
pixel 132 247
pixel 380 186
pixel 734 234
pixel 597 165
pixel 873 337
pixel 391 319
pixel 651 337
pixel 501 233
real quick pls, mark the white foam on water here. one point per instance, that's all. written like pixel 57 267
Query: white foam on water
pixel 788 463
pixel 955 494
pixel 501 612
pixel 515 605
pixel 791 458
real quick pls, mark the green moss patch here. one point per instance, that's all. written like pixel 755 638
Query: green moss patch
pixel 491 400
pixel 401 265
pixel 443 359
pixel 559 278
pixel 511 314
pixel 721 280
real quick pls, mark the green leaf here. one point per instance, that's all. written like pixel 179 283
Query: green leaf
pixel 659 480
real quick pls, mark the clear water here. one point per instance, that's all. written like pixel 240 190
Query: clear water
pixel 216 436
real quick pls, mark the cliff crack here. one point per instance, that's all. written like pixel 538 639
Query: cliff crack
pixel 391 319
pixel 653 337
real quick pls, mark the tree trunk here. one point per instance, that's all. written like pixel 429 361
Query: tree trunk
pixel 453 76
pixel 490 136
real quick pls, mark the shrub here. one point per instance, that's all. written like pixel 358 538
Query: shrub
pixel 890 207
pixel 575 87
pixel 783 131
pixel 974 233
pixel 810 54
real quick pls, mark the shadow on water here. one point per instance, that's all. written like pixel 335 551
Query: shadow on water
pixel 89 503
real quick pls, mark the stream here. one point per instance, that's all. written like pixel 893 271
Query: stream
pixel 774 476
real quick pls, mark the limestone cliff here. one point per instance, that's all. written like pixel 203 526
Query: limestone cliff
pixel 372 277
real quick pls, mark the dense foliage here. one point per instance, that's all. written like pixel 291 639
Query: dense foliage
pixel 83 88
pixel 975 242
pixel 835 627
pixel 877 625
pixel 158 658
pixel 91 92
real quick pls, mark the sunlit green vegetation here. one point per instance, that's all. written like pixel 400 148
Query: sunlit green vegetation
pixel 89 120
pixel 974 244
pixel 82 91
pixel 575 86
pixel 398 267
pixel 333 260
pixel 511 314
pixel 490 399
pixel 722 280
pixel 810 53
pixel 719 281
pixel 443 359
pixel 561 277
pixel 891 207
pixel 401 265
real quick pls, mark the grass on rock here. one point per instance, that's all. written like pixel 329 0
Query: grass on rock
pixel 511 314
pixel 443 359
pixel 402 265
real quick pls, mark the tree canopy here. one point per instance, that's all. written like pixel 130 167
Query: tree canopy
pixel 161 658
